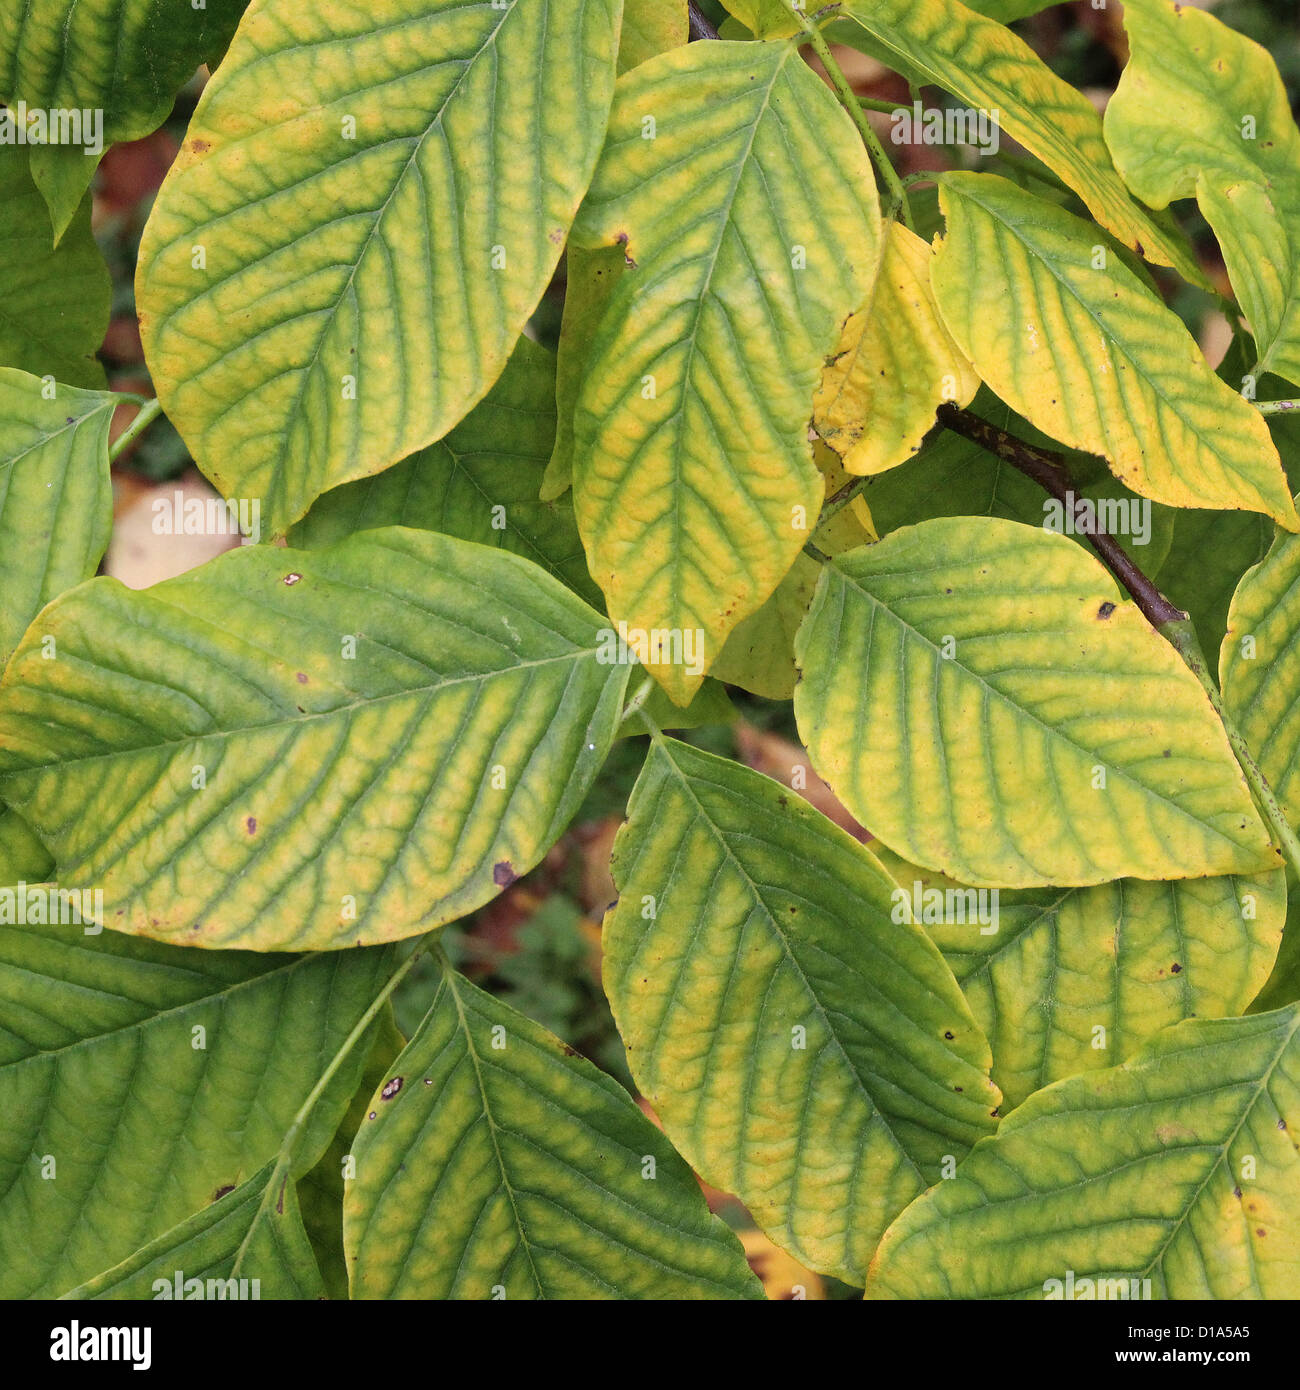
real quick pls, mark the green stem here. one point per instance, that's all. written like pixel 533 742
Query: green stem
pixel 886 108
pixel 1181 635
pixel 850 101
pixel 144 417
pixel 284 1159
pixel 1276 407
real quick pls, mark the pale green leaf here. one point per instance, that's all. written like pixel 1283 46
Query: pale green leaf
pixel 56 500
pixel 1259 668
pixel 1201 111
pixel 803 1044
pixel 496 1162
pixel 369 740
pixel 22 856
pixel 240 1246
pixel 650 27
pixel 990 69
pixel 979 695
pixel 1180 1167
pixel 1068 335
pixel 380 195
pixel 480 482
pixel 1067 980
pixel 151 1078
pixel 55 304
pixel 693 482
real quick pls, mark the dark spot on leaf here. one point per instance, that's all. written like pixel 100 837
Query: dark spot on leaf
pixel 302 677
pixel 428 1081
pixel 956 1088
pixel 1175 967
pixel 1259 1230
pixel 251 823
pixel 1105 610
pixel 1281 1124
pixel 556 236
pixel 391 1088
pixel 1236 1192
pixel 221 1191
pixel 200 146
pixel 292 578
pixel 569 1051
pixel 502 874
pixel 374 1115
pixel 949 1036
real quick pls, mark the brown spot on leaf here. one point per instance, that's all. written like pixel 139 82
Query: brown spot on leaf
pixel 1175 967
pixel 1105 610
pixel 391 1088
pixel 302 677
pixel 200 146
pixel 503 874
pixel 251 823
pixel 221 1191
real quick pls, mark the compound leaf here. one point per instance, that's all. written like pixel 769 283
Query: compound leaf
pixel 370 740
pixel 1180 1167
pixel 752 221
pixel 497 1159
pixel 378 196
pixel 1071 338
pixel 804 1046
pixel 982 699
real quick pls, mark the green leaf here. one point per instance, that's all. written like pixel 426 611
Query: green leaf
pixel 1189 73
pixel 589 283
pixel 381 195
pixel 496 1162
pixel 650 27
pixel 1068 980
pixel 151 1078
pixel 55 300
pixel 480 482
pixel 238 1237
pixel 370 740
pixel 1179 1166
pixel 320 1190
pixel 981 697
pixel 1092 357
pixel 990 69
pixel 1283 986
pixel 124 61
pixel 894 365
pixel 803 1045
pixel 56 499
pixel 693 482
pixel 22 856
pixel 1259 668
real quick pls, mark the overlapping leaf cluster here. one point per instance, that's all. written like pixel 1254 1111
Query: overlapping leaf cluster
pixel 277 765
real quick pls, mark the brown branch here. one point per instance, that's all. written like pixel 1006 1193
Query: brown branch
pixel 1050 471
pixel 699 26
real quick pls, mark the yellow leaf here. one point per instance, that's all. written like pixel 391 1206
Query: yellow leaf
pixel 896 362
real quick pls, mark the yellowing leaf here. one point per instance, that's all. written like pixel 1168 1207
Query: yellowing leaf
pixel 369 204
pixel 369 740
pixel 765 19
pixel 495 1158
pixel 1201 111
pixel 1069 336
pixel 1068 980
pixel 803 1045
pixel 895 363
pixel 1179 1167
pixel 752 220
pixel 987 67
pixel 980 697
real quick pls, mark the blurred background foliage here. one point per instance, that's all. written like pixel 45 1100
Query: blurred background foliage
pixel 538 945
